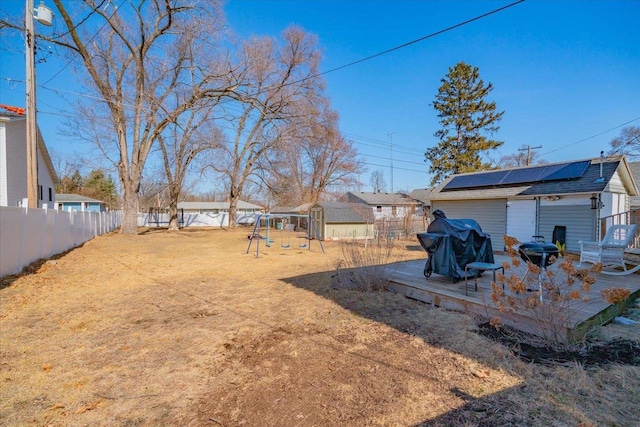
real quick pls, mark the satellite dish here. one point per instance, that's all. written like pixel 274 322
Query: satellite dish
pixel 43 14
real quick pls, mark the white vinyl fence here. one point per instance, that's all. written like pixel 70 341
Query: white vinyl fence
pixel 27 235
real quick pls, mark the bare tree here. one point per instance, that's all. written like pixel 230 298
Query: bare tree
pixel 627 143
pixel 181 142
pixel 377 181
pixel 520 159
pixel 275 83
pixel 138 56
pixel 310 158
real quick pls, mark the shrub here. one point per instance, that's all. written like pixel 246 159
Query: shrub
pixel 549 298
pixel 364 266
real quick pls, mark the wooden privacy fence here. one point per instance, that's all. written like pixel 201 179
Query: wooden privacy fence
pixel 27 235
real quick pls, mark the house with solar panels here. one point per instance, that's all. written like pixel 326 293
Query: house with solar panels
pixel 583 197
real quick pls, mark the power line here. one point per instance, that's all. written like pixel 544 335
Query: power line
pixel 420 39
pixel 592 136
pixel 393 49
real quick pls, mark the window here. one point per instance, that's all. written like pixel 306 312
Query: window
pixel 378 208
pixel 50 194
pixel 393 210
pixel 40 191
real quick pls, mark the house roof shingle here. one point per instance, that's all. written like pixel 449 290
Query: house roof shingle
pixel 379 198
pixel 74 198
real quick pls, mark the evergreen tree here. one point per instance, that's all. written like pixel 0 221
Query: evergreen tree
pixel 465 117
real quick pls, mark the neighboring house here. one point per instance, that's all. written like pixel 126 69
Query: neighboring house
pixel 423 195
pixel 635 171
pixel 385 205
pixel 523 202
pixel 13 163
pixel 339 220
pixel 217 213
pixel 76 202
pixel 219 207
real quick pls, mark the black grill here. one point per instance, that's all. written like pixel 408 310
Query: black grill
pixel 539 253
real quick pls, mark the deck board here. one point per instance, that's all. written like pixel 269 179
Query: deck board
pixel 407 278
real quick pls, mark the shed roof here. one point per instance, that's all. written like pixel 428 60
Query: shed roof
pixel 216 205
pixel 588 182
pixel 301 209
pixel 342 212
pixel 397 199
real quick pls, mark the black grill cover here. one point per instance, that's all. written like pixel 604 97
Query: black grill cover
pixel 452 244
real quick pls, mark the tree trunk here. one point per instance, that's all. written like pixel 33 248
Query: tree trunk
pixel 130 212
pixel 173 210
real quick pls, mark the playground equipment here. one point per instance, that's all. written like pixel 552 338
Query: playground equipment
pixel 284 227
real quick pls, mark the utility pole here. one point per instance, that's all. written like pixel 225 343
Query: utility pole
pixel 391 157
pixel 32 155
pixel 528 150
pixel 44 16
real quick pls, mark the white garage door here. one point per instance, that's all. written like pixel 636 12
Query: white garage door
pixel 521 219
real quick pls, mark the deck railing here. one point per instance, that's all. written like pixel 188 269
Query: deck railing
pixel 629 217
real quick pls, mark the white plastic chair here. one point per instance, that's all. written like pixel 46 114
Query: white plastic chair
pixel 610 251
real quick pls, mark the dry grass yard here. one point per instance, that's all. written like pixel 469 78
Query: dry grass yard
pixel 185 329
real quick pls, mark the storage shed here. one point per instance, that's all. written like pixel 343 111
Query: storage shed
pixel 339 220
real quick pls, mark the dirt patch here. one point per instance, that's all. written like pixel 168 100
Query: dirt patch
pixel 186 328
pixel 598 353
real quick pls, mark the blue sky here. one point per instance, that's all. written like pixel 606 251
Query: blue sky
pixel 566 73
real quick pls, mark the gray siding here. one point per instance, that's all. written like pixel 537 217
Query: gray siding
pixel 580 221
pixel 490 214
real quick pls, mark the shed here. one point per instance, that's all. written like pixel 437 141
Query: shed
pixel 340 220
pixel 522 202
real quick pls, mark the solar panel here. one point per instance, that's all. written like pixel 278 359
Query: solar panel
pixel 569 171
pixel 486 179
pixel 519 176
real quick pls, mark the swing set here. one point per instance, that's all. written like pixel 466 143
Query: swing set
pixel 286 230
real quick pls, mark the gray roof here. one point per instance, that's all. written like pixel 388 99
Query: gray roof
pixel 75 198
pixel 297 210
pixel 341 212
pixel 216 205
pixel 422 194
pixel 587 183
pixel 635 172
pixel 375 199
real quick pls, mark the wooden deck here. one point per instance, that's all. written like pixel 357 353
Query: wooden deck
pixel 408 278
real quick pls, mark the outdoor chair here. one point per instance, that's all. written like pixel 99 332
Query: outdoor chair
pixel 610 251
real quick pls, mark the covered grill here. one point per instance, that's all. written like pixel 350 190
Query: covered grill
pixel 452 244
pixel 539 253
